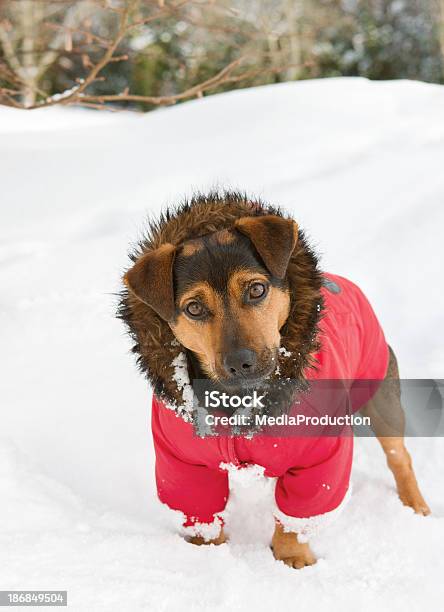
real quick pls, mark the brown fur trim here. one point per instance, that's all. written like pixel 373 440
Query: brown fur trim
pixel 155 343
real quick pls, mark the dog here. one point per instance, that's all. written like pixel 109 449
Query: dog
pixel 227 289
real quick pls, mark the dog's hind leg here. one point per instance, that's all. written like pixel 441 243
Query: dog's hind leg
pixel 387 421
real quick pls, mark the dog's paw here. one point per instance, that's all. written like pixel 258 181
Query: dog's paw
pixel 200 541
pixel 410 495
pixel 415 501
pixel 299 561
pixel 287 548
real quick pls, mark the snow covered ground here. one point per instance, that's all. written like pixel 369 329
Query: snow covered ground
pixel 361 166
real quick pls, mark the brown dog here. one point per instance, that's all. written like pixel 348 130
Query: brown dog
pixel 231 285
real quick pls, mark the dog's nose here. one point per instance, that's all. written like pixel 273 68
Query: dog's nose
pixel 241 362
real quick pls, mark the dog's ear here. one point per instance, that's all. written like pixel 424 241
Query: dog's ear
pixel 274 239
pixel 151 280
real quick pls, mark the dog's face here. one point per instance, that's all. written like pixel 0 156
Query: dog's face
pixel 224 295
pixel 229 308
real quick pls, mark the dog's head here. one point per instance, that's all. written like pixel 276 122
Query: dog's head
pixel 224 295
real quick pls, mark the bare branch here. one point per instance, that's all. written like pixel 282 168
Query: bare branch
pixel 79 31
pixel 197 90
pixel 166 11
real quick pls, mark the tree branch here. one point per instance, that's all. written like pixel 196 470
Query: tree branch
pixel 223 76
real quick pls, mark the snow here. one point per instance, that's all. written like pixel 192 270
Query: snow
pixel 14 120
pixel 182 380
pixel 207 531
pixel 360 166
pixel 283 351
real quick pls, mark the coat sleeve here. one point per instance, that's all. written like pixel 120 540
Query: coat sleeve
pixel 310 498
pixel 197 491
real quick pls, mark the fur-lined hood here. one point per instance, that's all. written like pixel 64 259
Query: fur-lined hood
pixel 160 356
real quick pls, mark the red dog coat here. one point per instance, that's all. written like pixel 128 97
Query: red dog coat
pixel 312 472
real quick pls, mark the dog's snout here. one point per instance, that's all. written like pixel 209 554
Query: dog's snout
pixel 240 363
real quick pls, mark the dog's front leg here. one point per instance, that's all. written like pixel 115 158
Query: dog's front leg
pixel 199 540
pixel 287 548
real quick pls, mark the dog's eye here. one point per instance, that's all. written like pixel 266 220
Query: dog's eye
pixel 194 309
pixel 257 290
